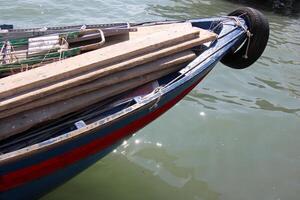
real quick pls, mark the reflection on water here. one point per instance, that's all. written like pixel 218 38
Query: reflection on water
pixel 285 7
pixel 183 9
pixel 141 170
pixel 265 105
pixel 235 136
pixel 156 160
pixel 180 9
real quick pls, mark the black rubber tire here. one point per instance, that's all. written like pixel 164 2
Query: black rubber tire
pixel 258 25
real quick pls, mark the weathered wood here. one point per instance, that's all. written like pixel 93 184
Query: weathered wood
pixel 54 88
pixel 143 31
pixel 161 64
pixel 69 67
pixel 23 121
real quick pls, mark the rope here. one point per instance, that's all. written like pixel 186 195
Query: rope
pixel 237 23
pixel 248 33
pixel 46 55
pixel 155 91
pixel 61 52
pixel 2 50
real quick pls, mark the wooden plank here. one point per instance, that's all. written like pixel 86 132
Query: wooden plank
pixel 143 31
pixel 54 88
pixel 173 60
pixel 69 67
pixel 23 121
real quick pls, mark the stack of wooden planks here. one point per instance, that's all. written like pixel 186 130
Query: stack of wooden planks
pixel 56 89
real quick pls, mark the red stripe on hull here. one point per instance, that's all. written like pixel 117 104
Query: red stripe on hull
pixel 22 176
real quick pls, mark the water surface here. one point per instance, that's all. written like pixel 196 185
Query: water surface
pixel 235 136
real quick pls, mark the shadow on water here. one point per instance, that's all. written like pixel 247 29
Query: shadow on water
pixel 214 100
pixel 265 105
pixel 182 9
pixel 284 7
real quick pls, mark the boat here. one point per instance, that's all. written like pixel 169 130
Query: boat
pixel 47 156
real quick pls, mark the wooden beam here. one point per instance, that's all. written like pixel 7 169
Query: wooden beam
pixel 57 71
pixel 161 64
pixel 23 121
pixel 87 77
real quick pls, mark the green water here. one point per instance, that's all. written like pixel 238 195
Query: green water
pixel 236 136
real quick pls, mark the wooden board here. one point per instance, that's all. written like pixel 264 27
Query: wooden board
pixel 87 77
pixel 143 31
pixel 161 64
pixel 21 122
pixel 69 67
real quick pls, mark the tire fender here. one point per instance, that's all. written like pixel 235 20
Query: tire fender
pixel 254 46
